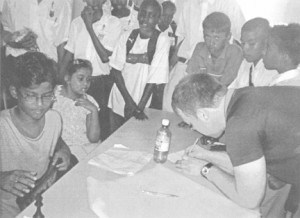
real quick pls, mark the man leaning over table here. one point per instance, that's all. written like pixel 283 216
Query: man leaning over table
pixel 261 128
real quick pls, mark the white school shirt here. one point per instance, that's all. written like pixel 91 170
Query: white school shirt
pixel 136 76
pixel 168 32
pixel 260 75
pixel 50 20
pixel 108 30
pixel 130 22
pixel 192 15
pixel 288 78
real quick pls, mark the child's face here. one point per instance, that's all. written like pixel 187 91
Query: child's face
pixel 148 18
pixel 80 81
pixel 253 44
pixel 119 4
pixel 166 17
pixel 215 41
pixel 36 100
pixel 272 57
pixel 94 3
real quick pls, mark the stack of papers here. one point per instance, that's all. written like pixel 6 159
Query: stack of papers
pixel 121 160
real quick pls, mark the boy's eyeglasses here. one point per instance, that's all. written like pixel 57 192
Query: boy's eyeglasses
pixel 45 99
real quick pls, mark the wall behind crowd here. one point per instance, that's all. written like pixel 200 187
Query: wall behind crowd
pixel 276 11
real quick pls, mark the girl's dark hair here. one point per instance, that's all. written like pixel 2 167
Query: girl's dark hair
pixel 78 64
pixel 32 68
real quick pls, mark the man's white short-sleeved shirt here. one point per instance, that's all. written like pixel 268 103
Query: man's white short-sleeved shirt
pixel 107 29
pixel 50 20
pixel 136 76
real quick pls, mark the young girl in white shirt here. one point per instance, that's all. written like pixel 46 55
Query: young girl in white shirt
pixel 79 111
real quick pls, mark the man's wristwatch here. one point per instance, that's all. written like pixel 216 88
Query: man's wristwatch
pixel 205 169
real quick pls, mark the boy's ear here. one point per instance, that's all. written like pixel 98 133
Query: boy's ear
pixel 13 92
pixel 229 36
pixel 202 114
pixel 66 78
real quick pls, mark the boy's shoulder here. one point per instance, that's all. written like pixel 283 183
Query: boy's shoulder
pixel 77 21
pixel 4 115
pixel 233 49
pixel 53 115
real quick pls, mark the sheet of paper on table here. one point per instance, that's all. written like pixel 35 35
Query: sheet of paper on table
pixel 121 160
pixel 129 197
pixel 173 157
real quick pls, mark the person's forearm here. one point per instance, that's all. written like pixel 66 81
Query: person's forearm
pixel 6 36
pixel 62 69
pixel 101 51
pixel 219 159
pixel 60 53
pixel 93 127
pixel 231 188
pixel 62 146
pixel 119 80
pixel 146 95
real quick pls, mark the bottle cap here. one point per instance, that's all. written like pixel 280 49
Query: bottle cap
pixel 165 122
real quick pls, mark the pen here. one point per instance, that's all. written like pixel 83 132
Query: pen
pixel 194 145
pixel 159 194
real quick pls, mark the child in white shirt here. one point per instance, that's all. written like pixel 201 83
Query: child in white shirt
pixel 79 111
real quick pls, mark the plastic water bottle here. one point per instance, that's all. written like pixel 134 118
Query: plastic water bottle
pixel 162 142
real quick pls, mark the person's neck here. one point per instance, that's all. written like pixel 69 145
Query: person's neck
pixel 285 68
pixel 68 92
pixel 147 35
pixel 23 118
pixel 227 99
pixel 119 13
pixel 98 15
pixel 162 28
pixel 255 62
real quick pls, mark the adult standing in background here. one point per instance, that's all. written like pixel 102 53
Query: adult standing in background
pixel 190 32
pixel 48 22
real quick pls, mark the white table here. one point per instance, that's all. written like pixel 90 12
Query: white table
pixel 69 197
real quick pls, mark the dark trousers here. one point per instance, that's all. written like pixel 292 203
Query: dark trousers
pixel 100 89
pixel 115 121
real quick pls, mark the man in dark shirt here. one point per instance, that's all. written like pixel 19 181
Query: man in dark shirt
pixel 262 134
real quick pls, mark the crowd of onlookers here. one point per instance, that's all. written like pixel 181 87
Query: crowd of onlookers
pixel 68 84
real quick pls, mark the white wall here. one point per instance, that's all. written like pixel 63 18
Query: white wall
pixel 276 11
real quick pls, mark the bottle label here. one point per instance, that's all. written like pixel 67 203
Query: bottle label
pixel 162 142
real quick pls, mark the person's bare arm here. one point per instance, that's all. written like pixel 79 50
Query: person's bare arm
pixel 87 16
pixel 60 52
pixel 246 187
pixel 130 105
pixel 67 59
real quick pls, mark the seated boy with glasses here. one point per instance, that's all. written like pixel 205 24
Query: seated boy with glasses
pixel 30 132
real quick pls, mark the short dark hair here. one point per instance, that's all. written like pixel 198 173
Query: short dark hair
pixel 257 23
pixel 197 91
pixel 78 64
pixel 32 68
pixel 153 3
pixel 169 4
pixel 287 39
pixel 217 21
